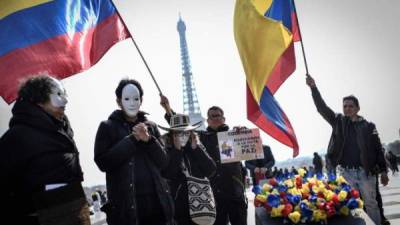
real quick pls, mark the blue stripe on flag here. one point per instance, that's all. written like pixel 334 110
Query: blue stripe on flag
pixel 271 109
pixel 280 10
pixel 39 23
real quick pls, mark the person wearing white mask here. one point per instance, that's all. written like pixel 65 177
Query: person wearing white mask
pixel 39 161
pixel 186 153
pixel 127 148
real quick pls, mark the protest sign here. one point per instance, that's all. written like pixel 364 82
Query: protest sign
pixel 240 145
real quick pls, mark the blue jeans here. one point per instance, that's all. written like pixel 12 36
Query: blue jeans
pixel 358 179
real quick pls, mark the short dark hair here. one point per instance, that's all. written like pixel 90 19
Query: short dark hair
pixel 123 83
pixel 214 108
pixel 36 89
pixel 352 98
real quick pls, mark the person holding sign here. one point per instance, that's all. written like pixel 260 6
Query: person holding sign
pixel 228 182
pixel 187 156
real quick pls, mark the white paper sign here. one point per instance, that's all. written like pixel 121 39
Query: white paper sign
pixel 240 145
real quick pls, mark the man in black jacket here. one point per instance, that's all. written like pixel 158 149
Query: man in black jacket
pixel 128 150
pixel 354 147
pixel 228 182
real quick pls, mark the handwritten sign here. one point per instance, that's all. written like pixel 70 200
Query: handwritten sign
pixel 240 145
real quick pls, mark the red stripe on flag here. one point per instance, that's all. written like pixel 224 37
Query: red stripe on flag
pixel 62 56
pixel 295 28
pixel 255 115
pixel 282 70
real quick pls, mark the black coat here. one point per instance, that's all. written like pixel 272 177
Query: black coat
pixel 267 162
pixel 200 165
pixel 318 163
pixel 228 182
pixel 115 150
pixel 36 150
pixel 372 159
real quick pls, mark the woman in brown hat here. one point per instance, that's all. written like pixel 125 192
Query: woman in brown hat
pixel 188 157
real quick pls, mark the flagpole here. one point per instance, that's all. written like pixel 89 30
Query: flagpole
pixel 301 39
pixel 137 48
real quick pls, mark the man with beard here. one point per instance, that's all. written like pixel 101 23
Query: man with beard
pixel 128 150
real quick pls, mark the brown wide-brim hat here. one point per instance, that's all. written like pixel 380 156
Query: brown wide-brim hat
pixel 180 123
pixel 182 128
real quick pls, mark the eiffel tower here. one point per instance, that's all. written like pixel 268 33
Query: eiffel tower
pixel 191 104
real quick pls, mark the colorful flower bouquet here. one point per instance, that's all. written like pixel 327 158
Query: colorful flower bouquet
pixel 302 199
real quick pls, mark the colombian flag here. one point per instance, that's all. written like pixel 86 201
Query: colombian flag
pixel 264 33
pixel 57 37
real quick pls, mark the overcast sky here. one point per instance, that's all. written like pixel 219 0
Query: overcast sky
pixel 351 46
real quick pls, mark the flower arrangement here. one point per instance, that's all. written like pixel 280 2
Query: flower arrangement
pixel 302 199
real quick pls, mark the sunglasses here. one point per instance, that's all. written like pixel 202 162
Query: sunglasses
pixel 182 134
pixel 215 116
pixel 349 106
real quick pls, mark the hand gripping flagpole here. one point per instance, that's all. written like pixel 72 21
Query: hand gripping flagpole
pixel 301 39
pixel 137 48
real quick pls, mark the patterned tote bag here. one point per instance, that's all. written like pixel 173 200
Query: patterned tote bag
pixel 202 208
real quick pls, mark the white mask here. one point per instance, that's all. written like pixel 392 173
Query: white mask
pixel 183 138
pixel 130 100
pixel 58 95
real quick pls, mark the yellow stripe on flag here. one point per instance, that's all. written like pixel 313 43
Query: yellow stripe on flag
pixel 8 7
pixel 262 5
pixel 261 42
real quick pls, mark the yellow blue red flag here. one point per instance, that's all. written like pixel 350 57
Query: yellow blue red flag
pixel 58 37
pixel 264 33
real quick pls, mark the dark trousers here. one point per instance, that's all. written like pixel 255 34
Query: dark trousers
pixel 65 205
pixel 149 210
pixel 184 221
pixel 379 200
pixel 231 210
pixel 182 214
pixel 394 167
pixel 19 220
pixel 75 212
pixel 318 170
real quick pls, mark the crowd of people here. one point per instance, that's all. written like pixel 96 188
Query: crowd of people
pixel 147 174
pixel 144 171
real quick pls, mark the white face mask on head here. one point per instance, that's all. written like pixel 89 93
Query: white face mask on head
pixel 130 100
pixel 58 96
pixel 183 138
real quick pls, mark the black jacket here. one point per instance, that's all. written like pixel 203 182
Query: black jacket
pixel 115 150
pixel 228 182
pixel 200 165
pixel 318 164
pixel 267 162
pixel 372 158
pixel 36 150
